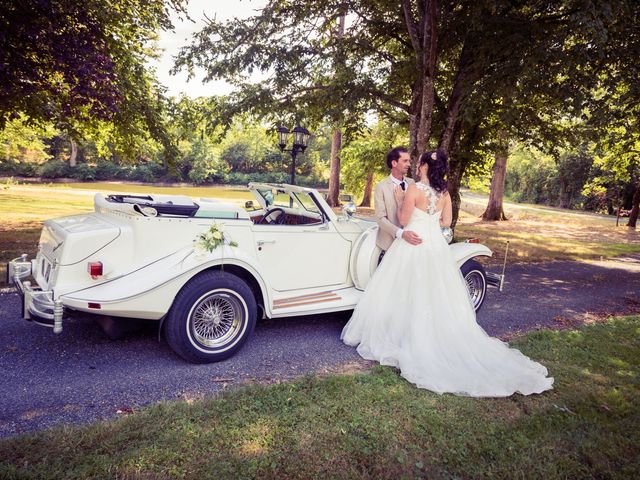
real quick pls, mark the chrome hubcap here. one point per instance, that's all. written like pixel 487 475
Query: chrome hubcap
pixel 216 319
pixel 475 286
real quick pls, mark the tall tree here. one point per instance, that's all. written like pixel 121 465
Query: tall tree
pixel 433 66
pixel 333 196
pixel 384 62
pixel 77 62
pixel 613 107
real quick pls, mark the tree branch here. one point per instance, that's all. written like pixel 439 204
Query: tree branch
pixel 411 26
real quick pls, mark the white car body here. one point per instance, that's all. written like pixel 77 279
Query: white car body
pixel 316 262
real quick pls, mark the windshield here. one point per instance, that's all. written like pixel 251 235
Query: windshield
pixel 279 198
pixel 276 198
pixel 307 202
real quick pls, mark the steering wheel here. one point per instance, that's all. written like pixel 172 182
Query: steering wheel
pixel 279 220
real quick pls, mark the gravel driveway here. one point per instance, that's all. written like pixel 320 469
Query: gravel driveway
pixel 81 375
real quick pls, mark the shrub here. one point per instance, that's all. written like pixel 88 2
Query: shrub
pixel 18 169
pixel 207 172
pixel 237 178
pixel 106 170
pixel 147 172
pixel 54 169
pixel 83 171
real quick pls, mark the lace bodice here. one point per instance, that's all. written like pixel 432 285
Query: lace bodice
pixel 432 196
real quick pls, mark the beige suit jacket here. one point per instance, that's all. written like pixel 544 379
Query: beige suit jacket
pixel 386 212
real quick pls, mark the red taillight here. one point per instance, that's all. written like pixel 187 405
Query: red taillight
pixel 473 240
pixel 95 306
pixel 94 269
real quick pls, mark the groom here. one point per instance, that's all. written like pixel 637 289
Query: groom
pixel 389 227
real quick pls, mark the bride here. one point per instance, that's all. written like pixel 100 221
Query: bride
pixel 416 315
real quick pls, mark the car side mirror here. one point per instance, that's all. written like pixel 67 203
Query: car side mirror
pixel 349 209
pixel 248 204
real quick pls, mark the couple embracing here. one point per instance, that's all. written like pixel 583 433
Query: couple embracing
pixel 415 313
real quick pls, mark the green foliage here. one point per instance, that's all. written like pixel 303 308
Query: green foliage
pixel 574 169
pixel 18 168
pixel 21 141
pixel 367 153
pixel 530 176
pixel 106 170
pixel 478 183
pixel 103 170
pixel 534 177
pixel 204 163
pixel 54 169
pixel 246 152
pixel 86 72
pixel 248 148
pixel 616 170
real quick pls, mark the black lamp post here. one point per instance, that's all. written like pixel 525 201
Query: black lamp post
pixel 300 140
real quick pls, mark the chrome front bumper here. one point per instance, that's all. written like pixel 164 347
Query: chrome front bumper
pixel 37 305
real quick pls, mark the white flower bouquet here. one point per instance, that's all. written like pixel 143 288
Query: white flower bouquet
pixel 213 238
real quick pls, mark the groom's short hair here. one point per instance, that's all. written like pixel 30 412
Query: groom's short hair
pixel 394 154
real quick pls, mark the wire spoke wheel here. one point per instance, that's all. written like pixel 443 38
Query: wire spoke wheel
pixel 475 286
pixel 212 316
pixel 216 319
pixel 476 280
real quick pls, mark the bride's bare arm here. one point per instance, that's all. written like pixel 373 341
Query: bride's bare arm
pixel 447 216
pixel 406 204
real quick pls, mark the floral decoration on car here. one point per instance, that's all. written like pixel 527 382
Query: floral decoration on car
pixel 213 238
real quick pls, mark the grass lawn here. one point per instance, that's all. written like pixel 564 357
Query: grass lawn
pixel 539 233
pixel 375 425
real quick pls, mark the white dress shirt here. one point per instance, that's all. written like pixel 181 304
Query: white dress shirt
pixel 400 231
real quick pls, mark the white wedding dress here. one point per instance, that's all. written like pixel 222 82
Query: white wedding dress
pixel 416 315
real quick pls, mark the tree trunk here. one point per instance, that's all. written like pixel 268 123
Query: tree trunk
pixel 466 76
pixel 333 198
pixel 610 208
pixel 565 194
pixel 453 107
pixel 426 116
pixel 456 170
pixel 368 189
pixel 414 152
pixel 451 133
pixel 457 166
pixel 423 35
pixel 74 152
pixel 334 177
pixel 429 23
pixel 494 209
pixel 635 207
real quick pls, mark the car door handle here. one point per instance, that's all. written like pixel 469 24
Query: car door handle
pixel 321 228
pixel 264 242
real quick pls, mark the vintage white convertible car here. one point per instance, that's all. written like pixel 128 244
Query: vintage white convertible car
pixel 138 256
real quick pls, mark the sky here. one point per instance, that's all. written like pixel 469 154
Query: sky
pixel 171 42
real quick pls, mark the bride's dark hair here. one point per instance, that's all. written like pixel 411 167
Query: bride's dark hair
pixel 438 168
